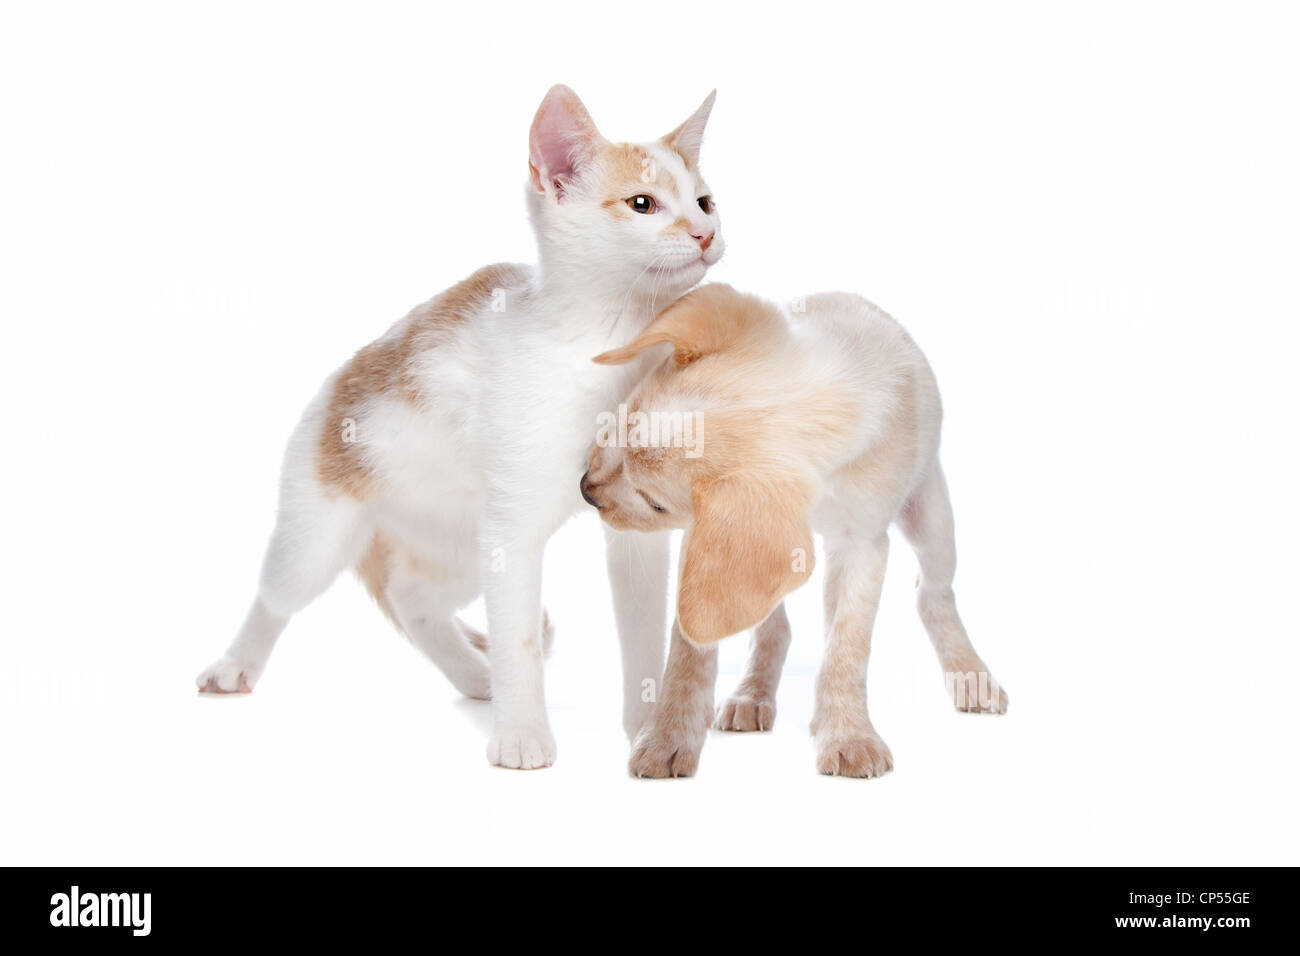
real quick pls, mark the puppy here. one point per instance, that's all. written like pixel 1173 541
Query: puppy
pixel 760 428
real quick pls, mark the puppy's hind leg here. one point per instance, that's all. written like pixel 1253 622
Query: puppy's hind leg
pixel 752 705
pixel 927 523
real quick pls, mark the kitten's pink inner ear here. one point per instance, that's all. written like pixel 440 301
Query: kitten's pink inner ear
pixel 563 138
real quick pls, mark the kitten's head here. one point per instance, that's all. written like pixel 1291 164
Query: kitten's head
pixel 635 219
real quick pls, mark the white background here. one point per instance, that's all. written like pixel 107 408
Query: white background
pixel 1087 215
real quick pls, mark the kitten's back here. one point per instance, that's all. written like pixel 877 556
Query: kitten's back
pixel 388 369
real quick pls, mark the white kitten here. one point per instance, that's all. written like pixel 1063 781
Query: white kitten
pixel 440 459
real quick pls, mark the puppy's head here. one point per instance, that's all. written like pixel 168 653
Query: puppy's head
pixel 702 445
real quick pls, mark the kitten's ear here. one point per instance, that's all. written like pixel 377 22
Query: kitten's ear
pixel 707 320
pixel 749 546
pixel 562 139
pixel 686 139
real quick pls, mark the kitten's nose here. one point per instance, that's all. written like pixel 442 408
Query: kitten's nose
pixel 704 241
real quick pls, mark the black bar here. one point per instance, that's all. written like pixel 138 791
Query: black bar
pixel 969 908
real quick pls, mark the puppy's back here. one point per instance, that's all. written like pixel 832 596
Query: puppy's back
pixel 869 350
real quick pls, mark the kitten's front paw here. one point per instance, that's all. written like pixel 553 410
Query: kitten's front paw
pixel 858 754
pixel 665 753
pixel 229 676
pixel 521 747
pixel 744 713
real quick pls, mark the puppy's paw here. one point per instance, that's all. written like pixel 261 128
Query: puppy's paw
pixel 995 703
pixel 665 753
pixel 229 676
pixel 975 691
pixel 744 713
pixel 861 754
pixel 521 746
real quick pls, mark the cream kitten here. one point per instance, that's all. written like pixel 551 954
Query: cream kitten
pixel 440 459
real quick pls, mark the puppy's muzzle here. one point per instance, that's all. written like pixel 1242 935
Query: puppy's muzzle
pixel 585 487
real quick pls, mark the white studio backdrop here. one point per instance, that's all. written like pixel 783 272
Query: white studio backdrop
pixel 1085 214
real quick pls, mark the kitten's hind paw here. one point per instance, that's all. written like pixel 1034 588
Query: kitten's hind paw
pixel 228 676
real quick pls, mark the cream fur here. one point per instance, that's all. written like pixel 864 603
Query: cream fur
pixel 826 419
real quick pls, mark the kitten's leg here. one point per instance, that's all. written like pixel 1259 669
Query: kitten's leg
pixel 478 640
pixel 314 539
pixel 424 610
pixel 669 746
pixel 512 591
pixel 847 744
pixel 237 671
pixel 638 579
pixel 926 521
pixel 752 705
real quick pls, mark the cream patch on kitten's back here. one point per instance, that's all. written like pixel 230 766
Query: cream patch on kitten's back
pixel 386 367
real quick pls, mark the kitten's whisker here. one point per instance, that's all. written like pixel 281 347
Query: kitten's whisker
pixel 627 297
pixel 659 274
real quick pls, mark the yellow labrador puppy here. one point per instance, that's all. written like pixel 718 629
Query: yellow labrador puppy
pixel 761 427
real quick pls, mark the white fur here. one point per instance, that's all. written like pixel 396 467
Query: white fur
pixel 478 480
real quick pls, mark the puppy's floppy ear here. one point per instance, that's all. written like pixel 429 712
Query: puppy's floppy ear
pixel 749 547
pixel 707 320
pixel 686 139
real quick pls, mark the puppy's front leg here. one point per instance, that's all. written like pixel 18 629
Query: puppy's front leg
pixel 847 744
pixel 669 746
pixel 752 705
pixel 512 591
pixel 638 579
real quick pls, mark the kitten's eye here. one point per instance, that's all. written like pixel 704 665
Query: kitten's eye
pixel 706 203
pixel 644 204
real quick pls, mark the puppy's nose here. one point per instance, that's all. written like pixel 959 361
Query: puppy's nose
pixel 584 486
pixel 704 241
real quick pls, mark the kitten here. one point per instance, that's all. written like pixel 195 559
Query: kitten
pixel 440 459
